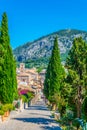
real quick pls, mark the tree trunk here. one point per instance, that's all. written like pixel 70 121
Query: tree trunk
pixel 70 122
pixel 54 106
pixel 79 102
pixel 79 110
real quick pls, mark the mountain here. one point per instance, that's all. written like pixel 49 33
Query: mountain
pixel 37 53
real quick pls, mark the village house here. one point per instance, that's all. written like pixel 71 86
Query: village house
pixel 42 77
pixel 29 79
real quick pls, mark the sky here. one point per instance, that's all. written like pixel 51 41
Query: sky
pixel 29 20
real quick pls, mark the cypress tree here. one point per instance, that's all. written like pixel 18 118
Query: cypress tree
pixel 8 69
pixel 54 75
pixel 47 81
pixel 15 92
pixel 2 54
pixel 56 70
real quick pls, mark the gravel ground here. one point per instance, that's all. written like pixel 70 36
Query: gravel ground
pixel 36 117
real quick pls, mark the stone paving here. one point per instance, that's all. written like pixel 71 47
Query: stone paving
pixel 36 117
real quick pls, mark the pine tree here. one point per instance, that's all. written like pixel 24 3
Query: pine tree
pixel 77 74
pixel 7 68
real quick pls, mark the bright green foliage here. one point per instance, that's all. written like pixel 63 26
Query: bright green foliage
pixel 77 75
pixel 4 31
pixel 7 65
pixel 47 81
pixel 15 91
pixel 24 98
pixel 27 97
pixel 30 95
pixel 39 69
pixel 54 74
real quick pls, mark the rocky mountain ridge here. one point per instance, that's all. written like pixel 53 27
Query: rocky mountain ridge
pixel 40 49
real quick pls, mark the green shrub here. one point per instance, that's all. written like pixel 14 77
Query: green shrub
pixel 24 98
pixel 1 112
pixel 7 107
pixel 0 107
pixel 13 107
pixel 78 122
pixel 10 107
pixel 30 95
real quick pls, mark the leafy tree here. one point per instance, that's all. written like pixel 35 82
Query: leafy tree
pixel 39 69
pixel 84 108
pixel 77 74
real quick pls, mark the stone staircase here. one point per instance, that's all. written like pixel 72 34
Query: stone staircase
pixel 35 99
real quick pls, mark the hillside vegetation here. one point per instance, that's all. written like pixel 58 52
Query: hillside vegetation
pixel 38 52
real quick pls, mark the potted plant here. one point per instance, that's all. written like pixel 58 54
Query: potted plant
pixel 10 107
pixel 6 110
pixel 2 115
